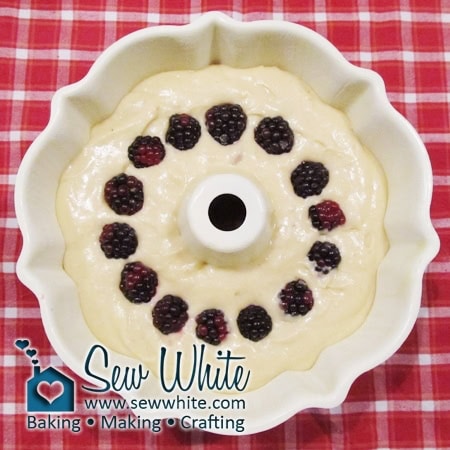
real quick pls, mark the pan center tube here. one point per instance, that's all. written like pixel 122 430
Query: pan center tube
pixel 225 219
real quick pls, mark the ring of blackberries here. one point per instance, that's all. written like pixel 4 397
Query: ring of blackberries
pixel 226 124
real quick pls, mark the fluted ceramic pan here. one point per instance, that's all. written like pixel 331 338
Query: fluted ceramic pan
pixel 358 92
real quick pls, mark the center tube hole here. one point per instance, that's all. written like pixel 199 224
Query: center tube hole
pixel 227 212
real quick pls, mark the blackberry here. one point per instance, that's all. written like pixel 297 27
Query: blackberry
pixel 326 215
pixel 124 194
pixel 226 123
pixel 138 282
pixel 183 132
pixel 254 322
pixel 118 240
pixel 325 255
pixel 274 135
pixel 309 178
pixel 211 326
pixel 170 314
pixel 296 298
pixel 146 151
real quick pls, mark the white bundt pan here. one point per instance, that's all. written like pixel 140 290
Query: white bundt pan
pixel 213 38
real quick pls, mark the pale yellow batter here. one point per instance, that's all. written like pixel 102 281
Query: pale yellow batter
pixel 342 298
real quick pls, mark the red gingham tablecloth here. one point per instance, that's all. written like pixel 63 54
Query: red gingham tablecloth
pixel 44 45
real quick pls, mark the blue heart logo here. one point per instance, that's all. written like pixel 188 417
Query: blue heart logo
pixel 22 343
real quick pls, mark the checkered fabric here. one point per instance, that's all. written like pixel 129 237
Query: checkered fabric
pixel 44 45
